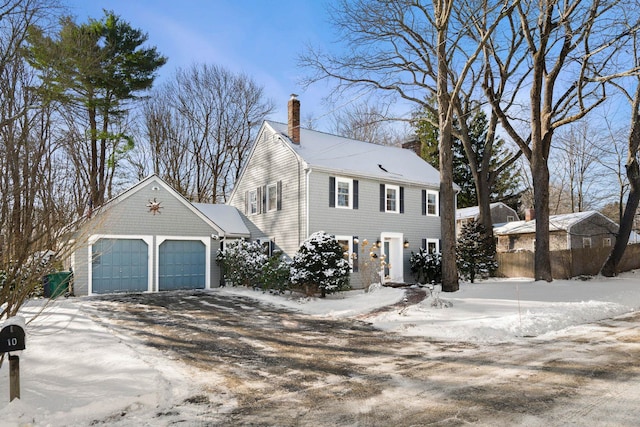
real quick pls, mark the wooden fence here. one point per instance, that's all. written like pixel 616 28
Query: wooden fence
pixel 566 263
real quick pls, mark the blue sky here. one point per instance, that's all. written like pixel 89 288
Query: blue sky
pixel 258 37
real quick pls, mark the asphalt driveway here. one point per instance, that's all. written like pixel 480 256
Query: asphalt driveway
pixel 283 368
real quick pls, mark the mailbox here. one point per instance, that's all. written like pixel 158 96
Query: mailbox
pixel 12 338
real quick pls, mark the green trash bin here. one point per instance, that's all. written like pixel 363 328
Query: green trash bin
pixel 56 284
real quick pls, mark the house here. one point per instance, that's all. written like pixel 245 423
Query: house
pixel 500 214
pixel 150 238
pixel 298 181
pixel 588 229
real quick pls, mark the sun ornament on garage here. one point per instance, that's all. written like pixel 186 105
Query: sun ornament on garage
pixel 154 206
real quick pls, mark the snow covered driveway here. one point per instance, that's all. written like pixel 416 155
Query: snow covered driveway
pixel 257 364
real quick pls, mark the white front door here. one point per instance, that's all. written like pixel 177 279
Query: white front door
pixel 392 250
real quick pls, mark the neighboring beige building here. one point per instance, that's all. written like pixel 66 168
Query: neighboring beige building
pixel 588 229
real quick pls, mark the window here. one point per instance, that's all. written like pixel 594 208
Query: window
pixel 346 242
pixel 253 202
pixel 511 218
pixel 343 193
pixel 586 242
pixel 272 197
pixel 606 242
pixel 431 245
pixel 392 198
pixel 432 203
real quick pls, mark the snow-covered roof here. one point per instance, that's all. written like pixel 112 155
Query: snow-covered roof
pixel 349 156
pixel 561 222
pixel 473 211
pixel 226 217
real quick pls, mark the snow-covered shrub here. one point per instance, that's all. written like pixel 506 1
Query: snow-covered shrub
pixel 275 274
pixel 242 262
pixel 319 265
pixel 475 252
pixel 426 267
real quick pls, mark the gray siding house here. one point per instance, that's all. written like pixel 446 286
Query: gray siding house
pixel 298 181
pixel 150 238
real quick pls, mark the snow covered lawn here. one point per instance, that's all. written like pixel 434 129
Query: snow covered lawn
pixel 81 367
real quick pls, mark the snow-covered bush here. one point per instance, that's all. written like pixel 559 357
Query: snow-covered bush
pixel 275 274
pixel 426 267
pixel 320 266
pixel 242 262
pixel 475 252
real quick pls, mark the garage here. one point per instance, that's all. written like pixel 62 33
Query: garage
pixel 182 264
pixel 119 265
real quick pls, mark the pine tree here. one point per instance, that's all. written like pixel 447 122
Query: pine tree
pixel 319 265
pixel 476 254
pixel 506 185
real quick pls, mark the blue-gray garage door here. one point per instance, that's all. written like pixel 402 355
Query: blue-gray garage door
pixel 182 265
pixel 120 265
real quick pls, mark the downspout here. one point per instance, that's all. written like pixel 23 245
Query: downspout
pixel 307 175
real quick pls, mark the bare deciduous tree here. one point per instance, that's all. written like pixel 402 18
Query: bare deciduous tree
pixel 366 122
pixel 199 128
pixel 30 213
pixel 610 267
pixel 419 52
pixel 571 51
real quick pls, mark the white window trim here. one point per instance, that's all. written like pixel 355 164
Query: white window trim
pixel 253 194
pixel 272 188
pixel 349 239
pixel 396 188
pixel 349 181
pixel 437 203
pixel 437 243
pixel 588 241
pixel 511 218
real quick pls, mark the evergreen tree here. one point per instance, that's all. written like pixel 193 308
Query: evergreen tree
pixel 476 253
pixel 506 186
pixel 319 265
pixel 93 71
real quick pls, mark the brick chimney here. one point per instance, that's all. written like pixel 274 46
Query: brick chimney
pixel 529 214
pixel 294 119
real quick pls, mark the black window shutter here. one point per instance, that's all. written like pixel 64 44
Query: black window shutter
pixel 272 247
pixel 264 199
pixel 354 258
pixel 332 192
pixel 401 199
pixel 424 243
pixel 355 194
pixel 279 193
pixel 382 198
pixel 424 202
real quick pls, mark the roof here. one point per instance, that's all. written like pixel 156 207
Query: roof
pixel 347 156
pixel 227 217
pixel 473 211
pixel 561 222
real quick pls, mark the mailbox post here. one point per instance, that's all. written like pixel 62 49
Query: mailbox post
pixel 12 338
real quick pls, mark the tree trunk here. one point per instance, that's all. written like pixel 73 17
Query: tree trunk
pixel 542 257
pixel 610 267
pixel 445 121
